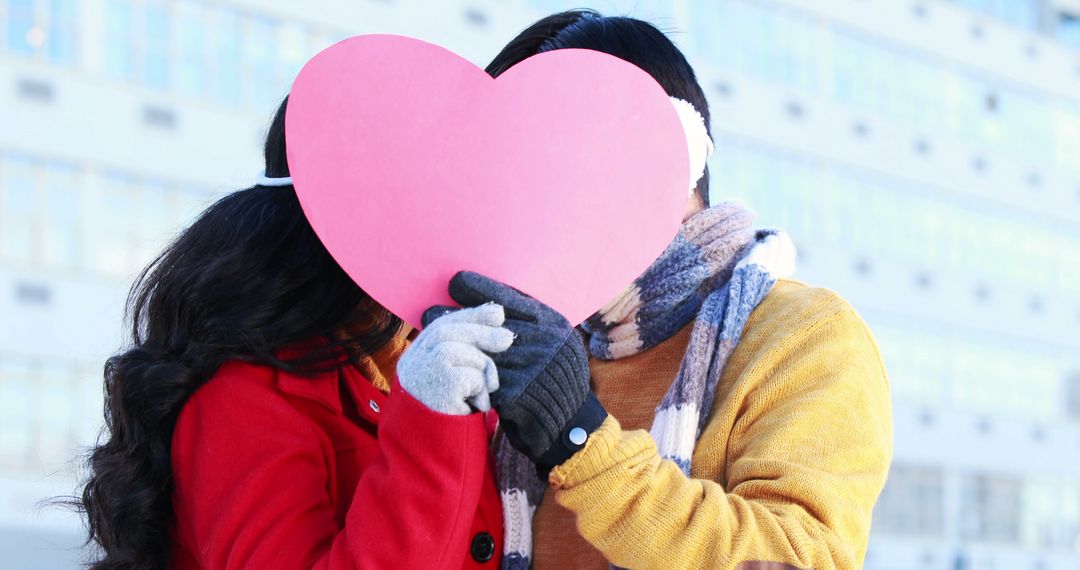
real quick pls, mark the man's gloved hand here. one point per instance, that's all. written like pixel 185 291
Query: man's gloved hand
pixel 448 367
pixel 544 401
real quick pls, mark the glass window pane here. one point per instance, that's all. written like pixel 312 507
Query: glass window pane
pixel 63 31
pixel 17 241
pixel 156 228
pixel 990 509
pixel 16 411
pixel 118 36
pixel 1066 121
pixel 18 209
pixel 60 247
pixel 911 503
pixel 155 44
pixel 188 26
pixel 156 209
pixel 1068 30
pixel 55 412
pixel 20 26
pixel 227 56
pixel 111 234
pixel 18 188
pixel 259 59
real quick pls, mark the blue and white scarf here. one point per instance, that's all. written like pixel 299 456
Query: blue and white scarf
pixel 715 272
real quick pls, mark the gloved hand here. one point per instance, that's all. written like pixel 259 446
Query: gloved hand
pixel 448 367
pixel 544 401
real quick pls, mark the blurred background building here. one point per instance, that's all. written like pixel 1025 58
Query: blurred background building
pixel 924 154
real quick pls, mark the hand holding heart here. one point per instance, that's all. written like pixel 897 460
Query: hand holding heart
pixel 543 376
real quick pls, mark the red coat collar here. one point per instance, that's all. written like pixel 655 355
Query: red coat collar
pixel 325 388
pixel 322 387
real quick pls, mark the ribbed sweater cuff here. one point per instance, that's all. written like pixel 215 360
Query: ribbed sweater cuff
pixel 609 446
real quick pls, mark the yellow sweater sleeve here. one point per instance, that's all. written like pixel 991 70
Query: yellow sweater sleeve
pixel 806 460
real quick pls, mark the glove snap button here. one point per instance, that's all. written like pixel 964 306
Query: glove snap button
pixel 577 436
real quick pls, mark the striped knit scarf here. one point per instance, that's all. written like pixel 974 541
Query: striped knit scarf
pixel 716 270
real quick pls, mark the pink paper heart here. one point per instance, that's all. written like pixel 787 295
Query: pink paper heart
pixel 564 178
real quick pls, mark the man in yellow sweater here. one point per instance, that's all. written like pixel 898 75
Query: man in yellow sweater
pixel 766 402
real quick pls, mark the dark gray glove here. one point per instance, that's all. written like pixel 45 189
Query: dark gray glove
pixel 544 401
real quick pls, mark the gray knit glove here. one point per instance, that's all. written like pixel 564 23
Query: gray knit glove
pixel 545 404
pixel 447 367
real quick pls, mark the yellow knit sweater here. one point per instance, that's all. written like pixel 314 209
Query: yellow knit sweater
pixel 787 470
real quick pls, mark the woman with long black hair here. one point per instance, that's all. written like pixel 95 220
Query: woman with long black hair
pixel 257 421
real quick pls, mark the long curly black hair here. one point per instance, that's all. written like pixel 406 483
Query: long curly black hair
pixel 247 277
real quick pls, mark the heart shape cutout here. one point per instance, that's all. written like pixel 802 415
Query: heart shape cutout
pixel 565 177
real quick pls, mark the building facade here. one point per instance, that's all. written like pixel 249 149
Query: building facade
pixel 925 156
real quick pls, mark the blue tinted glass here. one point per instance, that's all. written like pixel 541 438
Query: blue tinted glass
pixel 61 216
pixel 1021 13
pixel 18 192
pixel 118 34
pixel 226 53
pixel 259 59
pixel 16 407
pixel 845 63
pixel 702 27
pixel 63 32
pixel 61 193
pixel 117 206
pixel 155 65
pixel 1068 31
pixel 191 42
pixel 56 402
pixel 20 21
pixel 759 36
pixel 107 233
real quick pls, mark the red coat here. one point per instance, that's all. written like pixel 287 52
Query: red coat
pixel 273 470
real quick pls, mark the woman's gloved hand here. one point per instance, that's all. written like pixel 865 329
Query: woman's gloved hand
pixel 544 401
pixel 448 367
